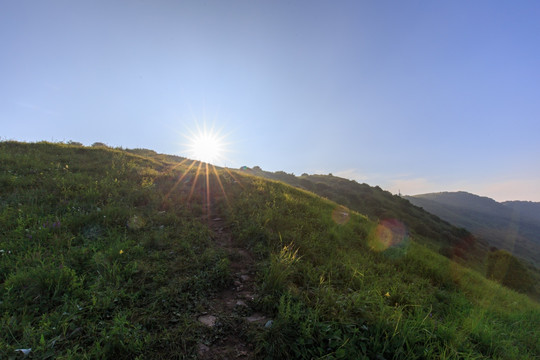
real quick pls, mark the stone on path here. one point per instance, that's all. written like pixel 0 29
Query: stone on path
pixel 208 320
pixel 257 318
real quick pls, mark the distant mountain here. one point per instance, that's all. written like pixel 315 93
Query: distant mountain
pixel 512 225
pixel 527 209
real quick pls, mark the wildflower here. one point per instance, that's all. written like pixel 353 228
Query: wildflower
pixel 387 294
pixel 121 252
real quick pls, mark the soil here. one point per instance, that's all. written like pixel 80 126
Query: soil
pixel 229 311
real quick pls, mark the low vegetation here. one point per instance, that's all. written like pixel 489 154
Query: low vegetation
pixel 379 205
pixel 450 241
pixel 107 253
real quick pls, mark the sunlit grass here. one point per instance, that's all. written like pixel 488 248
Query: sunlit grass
pixel 403 301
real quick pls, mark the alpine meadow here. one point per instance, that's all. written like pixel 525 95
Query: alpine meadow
pixel 130 254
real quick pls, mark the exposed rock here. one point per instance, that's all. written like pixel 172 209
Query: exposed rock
pixel 203 349
pixel 208 320
pixel 241 303
pixel 256 318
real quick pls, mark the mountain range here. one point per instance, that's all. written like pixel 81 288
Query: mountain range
pixel 510 225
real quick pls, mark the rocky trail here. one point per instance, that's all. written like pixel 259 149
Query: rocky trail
pixel 229 313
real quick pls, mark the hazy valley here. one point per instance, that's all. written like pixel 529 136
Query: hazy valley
pixel 511 225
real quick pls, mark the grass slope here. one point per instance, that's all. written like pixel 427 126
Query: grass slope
pixel 455 243
pixel 379 205
pixel 108 253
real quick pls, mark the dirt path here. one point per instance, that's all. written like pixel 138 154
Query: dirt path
pixel 229 312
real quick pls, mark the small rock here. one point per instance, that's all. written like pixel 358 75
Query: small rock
pixel 256 318
pixel 247 296
pixel 203 349
pixel 208 320
pixel 241 303
pixel 241 353
pixel 268 324
pixel 244 277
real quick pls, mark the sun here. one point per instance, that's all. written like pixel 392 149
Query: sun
pixel 206 145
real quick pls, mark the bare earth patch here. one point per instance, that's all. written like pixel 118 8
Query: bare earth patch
pixel 229 312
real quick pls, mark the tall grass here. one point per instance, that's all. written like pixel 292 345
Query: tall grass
pixel 91 263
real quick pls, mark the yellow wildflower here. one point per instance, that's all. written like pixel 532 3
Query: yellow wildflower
pixel 121 252
pixel 387 294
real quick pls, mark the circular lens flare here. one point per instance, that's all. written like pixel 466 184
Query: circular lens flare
pixel 388 233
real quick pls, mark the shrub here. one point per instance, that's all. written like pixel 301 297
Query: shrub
pixel 506 269
pixel 41 288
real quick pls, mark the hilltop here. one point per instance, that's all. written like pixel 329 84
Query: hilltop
pixel 132 254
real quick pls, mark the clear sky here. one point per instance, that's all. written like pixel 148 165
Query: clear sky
pixel 416 96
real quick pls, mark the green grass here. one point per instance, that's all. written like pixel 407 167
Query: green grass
pixel 106 253
pixel 406 302
pixel 97 262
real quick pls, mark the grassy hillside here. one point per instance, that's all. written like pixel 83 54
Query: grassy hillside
pixel 109 253
pixel 379 205
pixel 507 226
pixel 455 243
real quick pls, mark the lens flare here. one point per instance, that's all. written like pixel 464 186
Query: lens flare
pixel 206 145
pixel 340 215
pixel 388 233
pixel 199 181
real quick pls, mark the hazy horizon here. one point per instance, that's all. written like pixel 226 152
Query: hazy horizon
pixel 412 97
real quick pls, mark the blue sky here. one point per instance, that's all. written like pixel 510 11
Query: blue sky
pixel 416 96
